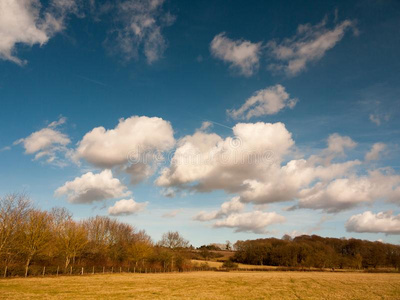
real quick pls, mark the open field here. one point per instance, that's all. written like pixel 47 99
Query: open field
pixel 207 285
pixel 217 264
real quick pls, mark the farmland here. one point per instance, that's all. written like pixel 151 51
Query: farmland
pixel 207 285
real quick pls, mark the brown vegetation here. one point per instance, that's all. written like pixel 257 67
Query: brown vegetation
pixel 36 242
pixel 318 252
pixel 207 285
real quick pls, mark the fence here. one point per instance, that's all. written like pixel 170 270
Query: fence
pixel 36 271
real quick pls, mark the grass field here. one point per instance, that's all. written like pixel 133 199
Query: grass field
pixel 217 264
pixel 207 285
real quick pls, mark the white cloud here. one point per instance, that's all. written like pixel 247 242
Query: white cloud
pixel 172 213
pixel 47 142
pixel 206 161
pixel 374 153
pixel 168 192
pixel 345 193
pixel 133 145
pixel 283 183
pixel 240 54
pixel 62 120
pixel 24 22
pixel 255 221
pixel 375 119
pixel 139 26
pixel 309 44
pixel 5 148
pixel 252 163
pixel 126 207
pixel 268 101
pixel 227 208
pixel 93 187
pixel 378 118
pixel 383 222
pixel 205 125
pixel 338 144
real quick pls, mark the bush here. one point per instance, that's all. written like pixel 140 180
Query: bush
pixel 228 264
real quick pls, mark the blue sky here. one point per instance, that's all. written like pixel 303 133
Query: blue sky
pixel 320 79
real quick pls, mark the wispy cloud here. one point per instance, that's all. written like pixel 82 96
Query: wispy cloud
pixel 30 24
pixel 172 213
pixel 268 101
pixel 47 143
pixel 241 55
pixel 309 44
pixel 139 26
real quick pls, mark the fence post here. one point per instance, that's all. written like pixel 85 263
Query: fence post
pixel 70 271
pixel 93 270
pixel 82 271
pixel 112 269
pixel 128 269
pixel 58 267
pixel 120 269
pixel 134 269
pixel 5 272
pixel 44 270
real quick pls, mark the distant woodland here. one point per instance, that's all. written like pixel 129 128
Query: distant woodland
pixel 33 241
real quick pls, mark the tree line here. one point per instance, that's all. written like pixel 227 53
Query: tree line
pixel 318 252
pixel 31 239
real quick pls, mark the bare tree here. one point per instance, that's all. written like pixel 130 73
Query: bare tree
pixel 35 236
pixel 13 211
pixel 71 240
pixel 173 240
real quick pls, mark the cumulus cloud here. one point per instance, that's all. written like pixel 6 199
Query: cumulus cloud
pixel 345 193
pixel 241 55
pixel 206 161
pixel 126 207
pixel 337 144
pixel 227 208
pixel 133 145
pixel 93 187
pixel 268 101
pixel 375 151
pixel 139 26
pixel 47 143
pixel 382 222
pixel 284 183
pixel 326 181
pixel 337 147
pixel 256 221
pixel 25 22
pixel 309 44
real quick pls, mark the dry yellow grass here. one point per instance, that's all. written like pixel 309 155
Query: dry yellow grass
pixel 207 285
pixel 217 264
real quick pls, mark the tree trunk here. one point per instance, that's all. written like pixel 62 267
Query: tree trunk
pixel 67 261
pixel 27 267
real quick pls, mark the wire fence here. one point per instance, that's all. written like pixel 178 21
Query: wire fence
pixel 43 271
pixel 37 271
